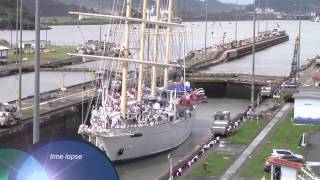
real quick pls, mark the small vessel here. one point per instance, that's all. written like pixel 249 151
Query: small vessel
pixel 9 115
pixel 276 31
pixel 316 19
pixel 221 123
pixel 136 115
pixel 268 89
pixel 97 47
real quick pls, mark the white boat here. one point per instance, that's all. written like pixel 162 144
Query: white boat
pixel 316 19
pixel 141 121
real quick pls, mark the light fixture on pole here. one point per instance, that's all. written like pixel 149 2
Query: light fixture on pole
pixel 20 57
pixel 100 25
pixel 253 55
pixel 267 12
pixel 170 164
pixel 236 30
pixel 36 120
pixel 206 30
pixel 300 18
pixel 17 33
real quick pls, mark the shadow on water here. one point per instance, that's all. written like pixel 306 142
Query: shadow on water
pixel 230 90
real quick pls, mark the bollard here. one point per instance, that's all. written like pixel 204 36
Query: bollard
pixel 205 166
pixel 302 141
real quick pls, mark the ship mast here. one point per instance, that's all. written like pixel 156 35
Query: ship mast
pixel 168 47
pixel 155 52
pixel 125 58
pixel 142 48
pixel 123 103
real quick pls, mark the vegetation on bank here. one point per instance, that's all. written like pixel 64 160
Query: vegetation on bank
pixel 50 53
pixel 54 21
pixel 289 6
pixel 217 165
pixel 219 162
pixel 4 42
pixel 8 16
pixel 248 131
pixel 29 112
pixel 284 136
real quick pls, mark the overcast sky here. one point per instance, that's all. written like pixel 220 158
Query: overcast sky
pixel 239 1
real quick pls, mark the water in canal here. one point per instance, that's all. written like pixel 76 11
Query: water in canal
pixel 48 81
pixel 272 61
pixel 275 60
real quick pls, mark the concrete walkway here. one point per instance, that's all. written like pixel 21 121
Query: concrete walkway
pixel 311 152
pixel 233 171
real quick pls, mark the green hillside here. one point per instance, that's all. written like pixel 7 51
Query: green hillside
pixel 8 16
pixel 290 6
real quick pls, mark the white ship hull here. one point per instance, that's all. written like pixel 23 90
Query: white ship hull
pixel 147 140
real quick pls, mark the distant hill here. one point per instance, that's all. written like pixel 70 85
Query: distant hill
pixel 190 5
pixel 196 8
pixel 8 16
pixel 183 8
pixel 49 8
pixel 291 6
pixel 60 8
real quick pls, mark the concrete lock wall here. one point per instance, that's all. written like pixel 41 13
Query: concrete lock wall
pixel 307 108
pixel 222 89
pixel 62 123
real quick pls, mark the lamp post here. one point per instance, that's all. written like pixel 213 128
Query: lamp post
pixel 47 27
pixel 267 15
pixel 236 30
pixel 17 33
pixel 63 87
pixel 100 26
pixel 213 35
pixel 20 55
pixel 170 164
pixel 300 14
pixel 36 123
pixel 259 15
pixel 206 30
pixel 253 55
pixel 17 45
pixel 192 45
pixel 10 26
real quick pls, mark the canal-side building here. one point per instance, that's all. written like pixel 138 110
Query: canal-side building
pixel 316 79
pixel 3 55
pixel 307 105
pixel 31 44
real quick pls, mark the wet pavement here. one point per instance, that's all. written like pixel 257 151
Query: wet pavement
pixel 312 150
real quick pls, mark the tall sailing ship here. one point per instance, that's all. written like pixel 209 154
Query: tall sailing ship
pixel 132 117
